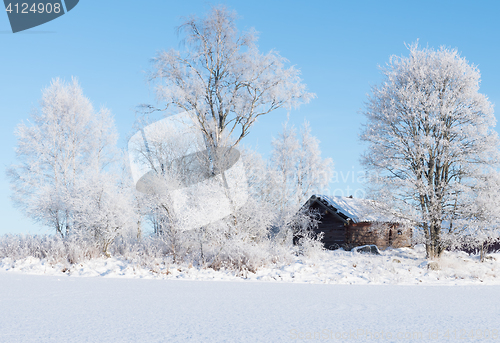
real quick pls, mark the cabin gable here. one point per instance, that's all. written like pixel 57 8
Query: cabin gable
pixel 331 225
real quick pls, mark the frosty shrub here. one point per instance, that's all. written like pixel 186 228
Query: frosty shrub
pixel 243 243
pixel 302 226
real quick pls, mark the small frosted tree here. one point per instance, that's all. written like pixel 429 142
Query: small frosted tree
pixel 167 154
pixel 430 140
pixel 479 220
pixel 313 172
pixel 65 142
pixel 294 172
pixel 301 171
pixel 284 162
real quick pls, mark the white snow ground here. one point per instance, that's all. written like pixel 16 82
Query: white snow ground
pixel 405 266
pixel 36 308
pixel 334 296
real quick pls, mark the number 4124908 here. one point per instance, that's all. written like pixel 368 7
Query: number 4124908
pixel 25 8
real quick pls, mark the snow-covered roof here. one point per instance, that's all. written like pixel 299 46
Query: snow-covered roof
pixel 358 210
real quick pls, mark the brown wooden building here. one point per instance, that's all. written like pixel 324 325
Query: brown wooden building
pixel 347 222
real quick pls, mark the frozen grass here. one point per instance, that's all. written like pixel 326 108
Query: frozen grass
pixel 155 254
pixel 150 258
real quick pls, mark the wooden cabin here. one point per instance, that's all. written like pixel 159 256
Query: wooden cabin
pixel 347 222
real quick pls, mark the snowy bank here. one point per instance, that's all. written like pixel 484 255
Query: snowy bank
pixel 405 266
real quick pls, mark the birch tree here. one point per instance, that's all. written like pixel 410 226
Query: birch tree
pixel 430 141
pixel 223 80
pixel 64 143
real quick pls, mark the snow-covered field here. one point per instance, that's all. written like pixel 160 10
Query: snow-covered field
pixel 394 297
pixel 37 308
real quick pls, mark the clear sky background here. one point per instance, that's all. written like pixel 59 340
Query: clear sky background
pixel 338 46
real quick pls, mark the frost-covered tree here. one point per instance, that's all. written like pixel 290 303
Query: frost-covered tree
pixel 430 141
pixel 281 185
pixel 64 146
pixel 284 162
pixel 301 171
pixel 224 81
pixel 479 221
pixel 313 172
pixel 294 172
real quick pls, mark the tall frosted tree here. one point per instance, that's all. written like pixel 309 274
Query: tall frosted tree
pixel 62 152
pixel 431 143
pixel 224 81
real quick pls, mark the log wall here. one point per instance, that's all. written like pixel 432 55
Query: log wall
pixel 337 233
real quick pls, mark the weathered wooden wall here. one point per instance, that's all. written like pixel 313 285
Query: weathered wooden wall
pixel 364 233
pixel 382 235
pixel 341 233
pixel 333 229
pixel 337 234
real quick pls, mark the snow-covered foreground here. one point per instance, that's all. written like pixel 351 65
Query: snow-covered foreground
pixel 404 266
pixel 37 308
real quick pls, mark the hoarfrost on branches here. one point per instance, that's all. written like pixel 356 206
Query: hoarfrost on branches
pixel 225 84
pixel 301 171
pixel 223 80
pixel 63 177
pixel 294 172
pixel 431 143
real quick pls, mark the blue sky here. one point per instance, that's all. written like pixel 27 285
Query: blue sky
pixel 338 46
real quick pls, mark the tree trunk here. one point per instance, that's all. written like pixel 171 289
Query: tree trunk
pixel 433 244
pixel 481 252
